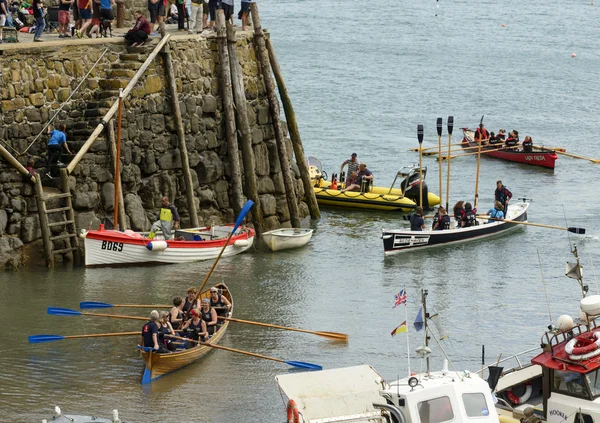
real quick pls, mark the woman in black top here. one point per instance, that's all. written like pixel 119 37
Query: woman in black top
pixel 165 328
pixel 196 326
pixel 217 300
pixel 176 314
pixel 209 315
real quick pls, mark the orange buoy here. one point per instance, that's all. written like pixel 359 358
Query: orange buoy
pixel 502 25
pixel 293 415
pixel 573 55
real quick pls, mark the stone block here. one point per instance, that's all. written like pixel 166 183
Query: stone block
pixel 149 163
pixel 86 220
pixel 33 115
pixel 37 99
pixel 210 168
pixel 153 84
pixel 7 106
pixel 170 159
pixel 261 159
pixel 108 196
pixel 136 213
pixel 283 210
pixel 210 104
pixel 257 135
pixel 265 185
pixel 85 200
pixel 268 204
pixel 211 139
pixel 3 221
pixel 30 229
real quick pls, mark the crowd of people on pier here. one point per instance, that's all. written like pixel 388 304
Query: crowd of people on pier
pixel 191 318
pixel 93 18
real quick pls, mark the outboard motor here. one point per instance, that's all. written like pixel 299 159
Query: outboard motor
pixel 410 188
pixel 343 178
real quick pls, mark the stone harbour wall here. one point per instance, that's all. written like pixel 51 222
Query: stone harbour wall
pixel 34 83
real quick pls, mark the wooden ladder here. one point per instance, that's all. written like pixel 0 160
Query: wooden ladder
pixel 69 232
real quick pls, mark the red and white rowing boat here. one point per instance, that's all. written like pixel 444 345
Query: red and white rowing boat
pixel 538 157
pixel 115 248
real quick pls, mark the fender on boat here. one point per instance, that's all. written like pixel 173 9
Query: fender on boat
pixel 157 245
pixel 242 243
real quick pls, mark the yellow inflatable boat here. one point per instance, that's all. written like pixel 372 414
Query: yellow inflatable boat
pixel 403 199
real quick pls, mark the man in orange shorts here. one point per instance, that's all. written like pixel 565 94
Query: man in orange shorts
pixel 64 18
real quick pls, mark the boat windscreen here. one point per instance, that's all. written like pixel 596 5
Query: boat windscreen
pixel 573 384
pixel 313 161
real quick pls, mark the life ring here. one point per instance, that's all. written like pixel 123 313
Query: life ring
pixel 515 400
pixel 584 346
pixel 293 416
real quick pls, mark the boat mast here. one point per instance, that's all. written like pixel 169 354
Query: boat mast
pixel 424 302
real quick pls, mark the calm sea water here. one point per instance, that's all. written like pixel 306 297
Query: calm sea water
pixel 362 76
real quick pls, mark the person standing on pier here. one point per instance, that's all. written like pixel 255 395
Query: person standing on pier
pixel 64 17
pixel 40 23
pixel 245 12
pixel 3 15
pixel 168 219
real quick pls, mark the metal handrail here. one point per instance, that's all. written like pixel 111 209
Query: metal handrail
pixel 63 104
pixel 512 357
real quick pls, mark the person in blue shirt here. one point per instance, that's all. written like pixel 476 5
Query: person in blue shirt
pixel 57 140
pixel 496 213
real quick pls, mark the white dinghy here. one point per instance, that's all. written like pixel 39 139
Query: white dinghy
pixel 287 238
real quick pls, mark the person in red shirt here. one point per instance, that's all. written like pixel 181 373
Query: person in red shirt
pixel 138 35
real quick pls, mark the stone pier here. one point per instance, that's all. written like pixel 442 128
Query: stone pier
pixel 35 80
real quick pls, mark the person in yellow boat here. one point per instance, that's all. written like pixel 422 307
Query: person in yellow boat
pixel 362 175
pixel 167 220
pixel 352 163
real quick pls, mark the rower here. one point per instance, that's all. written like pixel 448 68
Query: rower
pixel 459 212
pixel 176 313
pixel 209 315
pixel 470 217
pixel 150 332
pixel 528 144
pixel 497 212
pixel 189 301
pixel 222 304
pixel 481 134
pixel 165 329
pixel 416 220
pixel 196 328
pixel 503 195
pixel 512 140
pixel 443 222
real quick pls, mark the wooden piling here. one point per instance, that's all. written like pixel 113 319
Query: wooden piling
pixel 230 128
pixel 290 116
pixel 110 131
pixel 262 56
pixel 187 175
pixel 45 229
pixel 239 97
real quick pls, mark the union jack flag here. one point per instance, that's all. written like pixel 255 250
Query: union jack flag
pixel 400 298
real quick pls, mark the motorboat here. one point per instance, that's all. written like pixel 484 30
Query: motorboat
pixel 403 198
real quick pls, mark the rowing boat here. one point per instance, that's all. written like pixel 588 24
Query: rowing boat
pixel 158 365
pixel 287 238
pixel 401 240
pixel 537 157
pixel 115 248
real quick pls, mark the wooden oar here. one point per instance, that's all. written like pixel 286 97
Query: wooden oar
pixel 579 231
pixel 57 311
pixel 299 364
pixel 431 148
pixel 472 153
pixel 97 304
pixel 331 335
pixel 420 138
pixel 36 339
pixel 477 175
pixel 456 150
pixel 555 149
pixel 450 128
pixel 238 222
pixel 575 156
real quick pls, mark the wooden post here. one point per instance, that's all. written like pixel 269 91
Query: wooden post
pixel 41 204
pixel 113 148
pixel 120 13
pixel 239 97
pixel 290 116
pixel 263 59
pixel 10 159
pixel 185 162
pixel 111 112
pixel 227 96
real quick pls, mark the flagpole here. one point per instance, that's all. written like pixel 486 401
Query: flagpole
pixel 407 341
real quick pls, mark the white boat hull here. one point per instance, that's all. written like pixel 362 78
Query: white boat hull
pixel 113 248
pixel 286 239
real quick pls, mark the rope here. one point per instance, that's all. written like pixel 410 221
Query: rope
pixel 63 104
pixel 378 196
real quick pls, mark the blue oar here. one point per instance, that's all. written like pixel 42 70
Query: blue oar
pixel 238 222
pixel 36 339
pixel 299 364
pixel 57 311
pixel 97 304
